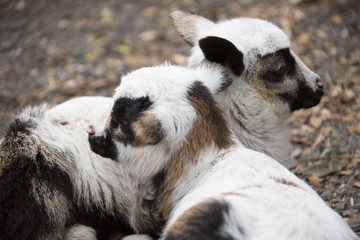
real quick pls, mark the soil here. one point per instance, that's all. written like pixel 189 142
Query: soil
pixel 51 51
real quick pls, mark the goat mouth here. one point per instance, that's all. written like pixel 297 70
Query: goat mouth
pixel 306 98
pixel 103 146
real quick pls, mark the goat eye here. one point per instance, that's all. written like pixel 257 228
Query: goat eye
pixel 275 76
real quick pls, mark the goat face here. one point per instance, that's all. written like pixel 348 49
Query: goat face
pixel 142 115
pixel 257 52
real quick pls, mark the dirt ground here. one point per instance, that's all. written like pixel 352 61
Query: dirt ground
pixel 55 50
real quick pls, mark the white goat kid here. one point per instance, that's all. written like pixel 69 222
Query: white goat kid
pixel 270 81
pixel 171 132
pixel 51 179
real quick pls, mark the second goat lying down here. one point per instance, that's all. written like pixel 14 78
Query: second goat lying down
pixel 166 127
pixel 270 81
pixel 50 179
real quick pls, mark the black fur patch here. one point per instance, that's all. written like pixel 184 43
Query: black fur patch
pixel 22 216
pixel 103 146
pixel 105 224
pixel 18 126
pixel 199 89
pixel 222 51
pixel 277 75
pixel 125 111
pixel 203 221
pixel 306 98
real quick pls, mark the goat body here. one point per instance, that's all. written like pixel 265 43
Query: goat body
pixel 207 185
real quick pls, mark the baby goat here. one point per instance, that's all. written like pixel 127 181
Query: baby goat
pixel 50 179
pixel 270 81
pixel 166 128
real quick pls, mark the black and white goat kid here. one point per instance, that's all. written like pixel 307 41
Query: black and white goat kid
pixel 270 81
pixel 50 179
pixel 166 128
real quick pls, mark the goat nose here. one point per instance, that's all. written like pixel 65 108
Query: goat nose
pixel 319 83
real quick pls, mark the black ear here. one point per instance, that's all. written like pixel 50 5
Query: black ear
pixel 222 51
pixel 126 110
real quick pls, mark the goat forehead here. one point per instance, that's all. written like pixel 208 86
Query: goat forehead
pixel 156 82
pixel 249 33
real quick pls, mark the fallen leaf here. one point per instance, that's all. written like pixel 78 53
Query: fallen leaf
pixel 304 38
pixel 296 153
pixel 335 91
pixel 178 59
pixel 106 12
pixel 150 35
pixel 321 33
pixel 63 24
pixel 314 181
pixel 357 184
pixel 135 61
pixel 349 117
pixel 357 128
pixel 343 60
pixel 106 16
pixel 150 12
pixel 315 121
pixel 350 129
pixel 325 114
pixel 34 72
pixel 348 95
pixel 336 19
pixel 123 49
pixel 318 139
pixel 346 173
pixel 20 6
pixel 353 163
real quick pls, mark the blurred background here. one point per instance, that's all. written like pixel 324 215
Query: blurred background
pixel 56 50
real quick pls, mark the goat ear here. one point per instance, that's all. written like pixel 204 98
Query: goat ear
pixel 222 51
pixel 190 26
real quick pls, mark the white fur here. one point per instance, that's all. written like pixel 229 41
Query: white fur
pixel 80 232
pixel 269 202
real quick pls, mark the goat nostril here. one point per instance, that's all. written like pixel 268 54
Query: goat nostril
pixel 90 130
pixel 319 83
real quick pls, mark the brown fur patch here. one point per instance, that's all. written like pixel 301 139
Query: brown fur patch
pixel 202 221
pixel 210 127
pixel 64 123
pixel 232 194
pixel 283 181
pixel 147 130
